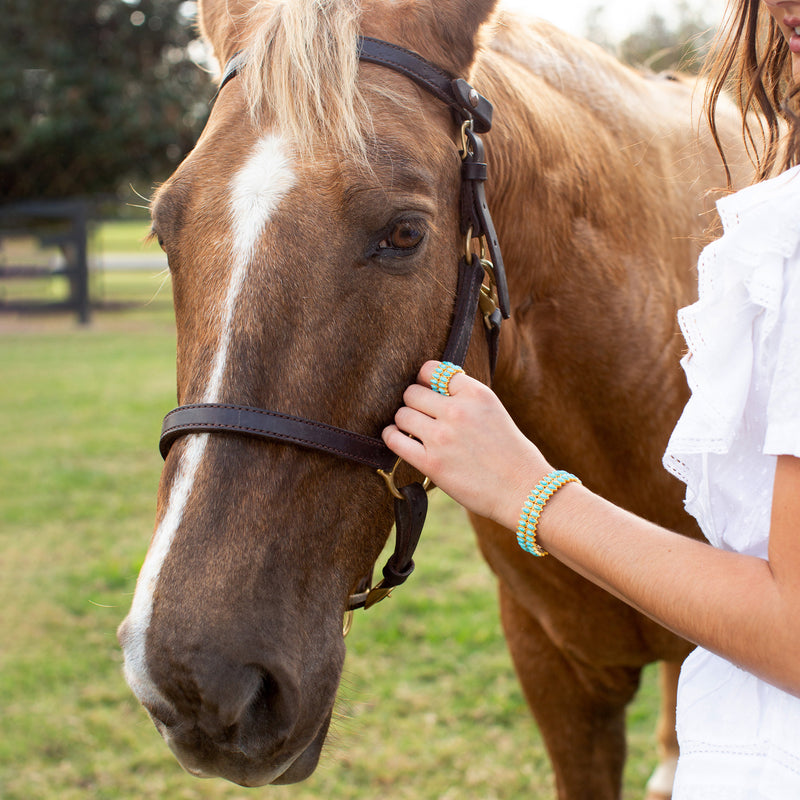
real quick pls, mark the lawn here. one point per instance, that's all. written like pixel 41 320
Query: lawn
pixel 125 236
pixel 429 707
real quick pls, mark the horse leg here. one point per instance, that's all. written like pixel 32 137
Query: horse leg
pixel 659 787
pixel 579 708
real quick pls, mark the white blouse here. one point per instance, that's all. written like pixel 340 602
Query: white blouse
pixel 740 736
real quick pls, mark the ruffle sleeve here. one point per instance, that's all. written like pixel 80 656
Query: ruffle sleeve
pixel 748 297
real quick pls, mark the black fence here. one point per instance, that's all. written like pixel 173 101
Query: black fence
pixel 62 226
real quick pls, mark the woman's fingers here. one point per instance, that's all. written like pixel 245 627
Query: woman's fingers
pixel 424 400
pixel 410 450
pixel 413 421
pixel 466 443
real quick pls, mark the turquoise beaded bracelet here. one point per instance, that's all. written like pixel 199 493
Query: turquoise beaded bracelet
pixel 533 506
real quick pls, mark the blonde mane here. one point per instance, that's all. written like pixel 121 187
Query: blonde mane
pixel 302 70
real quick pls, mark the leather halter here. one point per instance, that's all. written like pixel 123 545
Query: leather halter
pixel 481 281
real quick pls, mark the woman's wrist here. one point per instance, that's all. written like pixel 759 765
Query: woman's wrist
pixel 522 475
pixel 534 506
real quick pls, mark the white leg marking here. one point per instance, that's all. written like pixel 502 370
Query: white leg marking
pixel 256 192
pixel 661 781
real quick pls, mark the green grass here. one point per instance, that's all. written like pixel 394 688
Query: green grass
pixel 126 236
pixel 429 707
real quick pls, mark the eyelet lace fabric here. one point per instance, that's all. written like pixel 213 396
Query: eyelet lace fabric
pixel 740 737
pixel 743 363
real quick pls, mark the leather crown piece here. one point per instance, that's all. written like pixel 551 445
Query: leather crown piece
pixel 454 92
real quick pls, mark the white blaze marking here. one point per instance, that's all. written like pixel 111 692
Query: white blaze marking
pixel 256 192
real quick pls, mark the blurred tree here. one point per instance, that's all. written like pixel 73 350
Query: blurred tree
pixel 659 45
pixel 96 94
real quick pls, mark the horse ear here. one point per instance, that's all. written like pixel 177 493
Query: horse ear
pixel 459 27
pixel 223 25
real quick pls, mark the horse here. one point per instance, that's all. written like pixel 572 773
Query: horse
pixel 314 239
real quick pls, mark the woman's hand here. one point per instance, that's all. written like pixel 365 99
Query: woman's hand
pixel 468 445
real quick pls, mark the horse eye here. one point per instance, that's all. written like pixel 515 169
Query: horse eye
pixel 404 235
pixel 154 234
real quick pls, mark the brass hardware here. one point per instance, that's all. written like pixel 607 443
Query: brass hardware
pixel 347 623
pixel 491 284
pixel 468 246
pixel 376 594
pixel 389 478
pixel 390 482
pixel 464 151
pixel 488 305
pixel 488 299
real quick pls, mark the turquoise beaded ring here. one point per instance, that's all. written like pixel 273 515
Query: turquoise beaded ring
pixel 440 380
pixel 533 506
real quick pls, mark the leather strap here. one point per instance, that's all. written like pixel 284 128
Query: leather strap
pixel 470 277
pixel 475 213
pixel 409 514
pixel 263 424
pixel 456 93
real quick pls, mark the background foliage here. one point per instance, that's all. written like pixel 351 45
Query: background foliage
pixel 101 94
pixel 96 94
pixel 658 45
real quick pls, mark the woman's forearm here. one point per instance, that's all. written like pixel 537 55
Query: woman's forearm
pixel 729 603
pixel 744 608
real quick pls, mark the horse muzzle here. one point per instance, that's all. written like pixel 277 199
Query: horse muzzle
pixel 229 758
pixel 249 720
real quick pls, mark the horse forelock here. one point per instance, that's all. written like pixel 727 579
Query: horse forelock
pixel 302 70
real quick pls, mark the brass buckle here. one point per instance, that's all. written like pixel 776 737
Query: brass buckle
pixel 464 151
pixel 390 481
pixel 376 594
pixel 389 478
pixel 488 299
pixel 468 246
pixel 347 622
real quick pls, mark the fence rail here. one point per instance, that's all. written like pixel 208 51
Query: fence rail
pixel 60 224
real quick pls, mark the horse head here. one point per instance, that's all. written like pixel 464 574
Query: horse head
pixel 313 238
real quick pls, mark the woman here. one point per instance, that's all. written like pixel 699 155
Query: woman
pixel 737 447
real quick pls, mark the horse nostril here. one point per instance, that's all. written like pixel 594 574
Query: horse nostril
pixel 274 707
pixel 248 708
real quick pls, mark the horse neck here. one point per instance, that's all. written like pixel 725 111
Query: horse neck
pixel 587 162
pixel 588 206
pixel 578 141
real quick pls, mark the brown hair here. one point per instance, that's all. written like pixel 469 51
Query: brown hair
pixel 750 59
